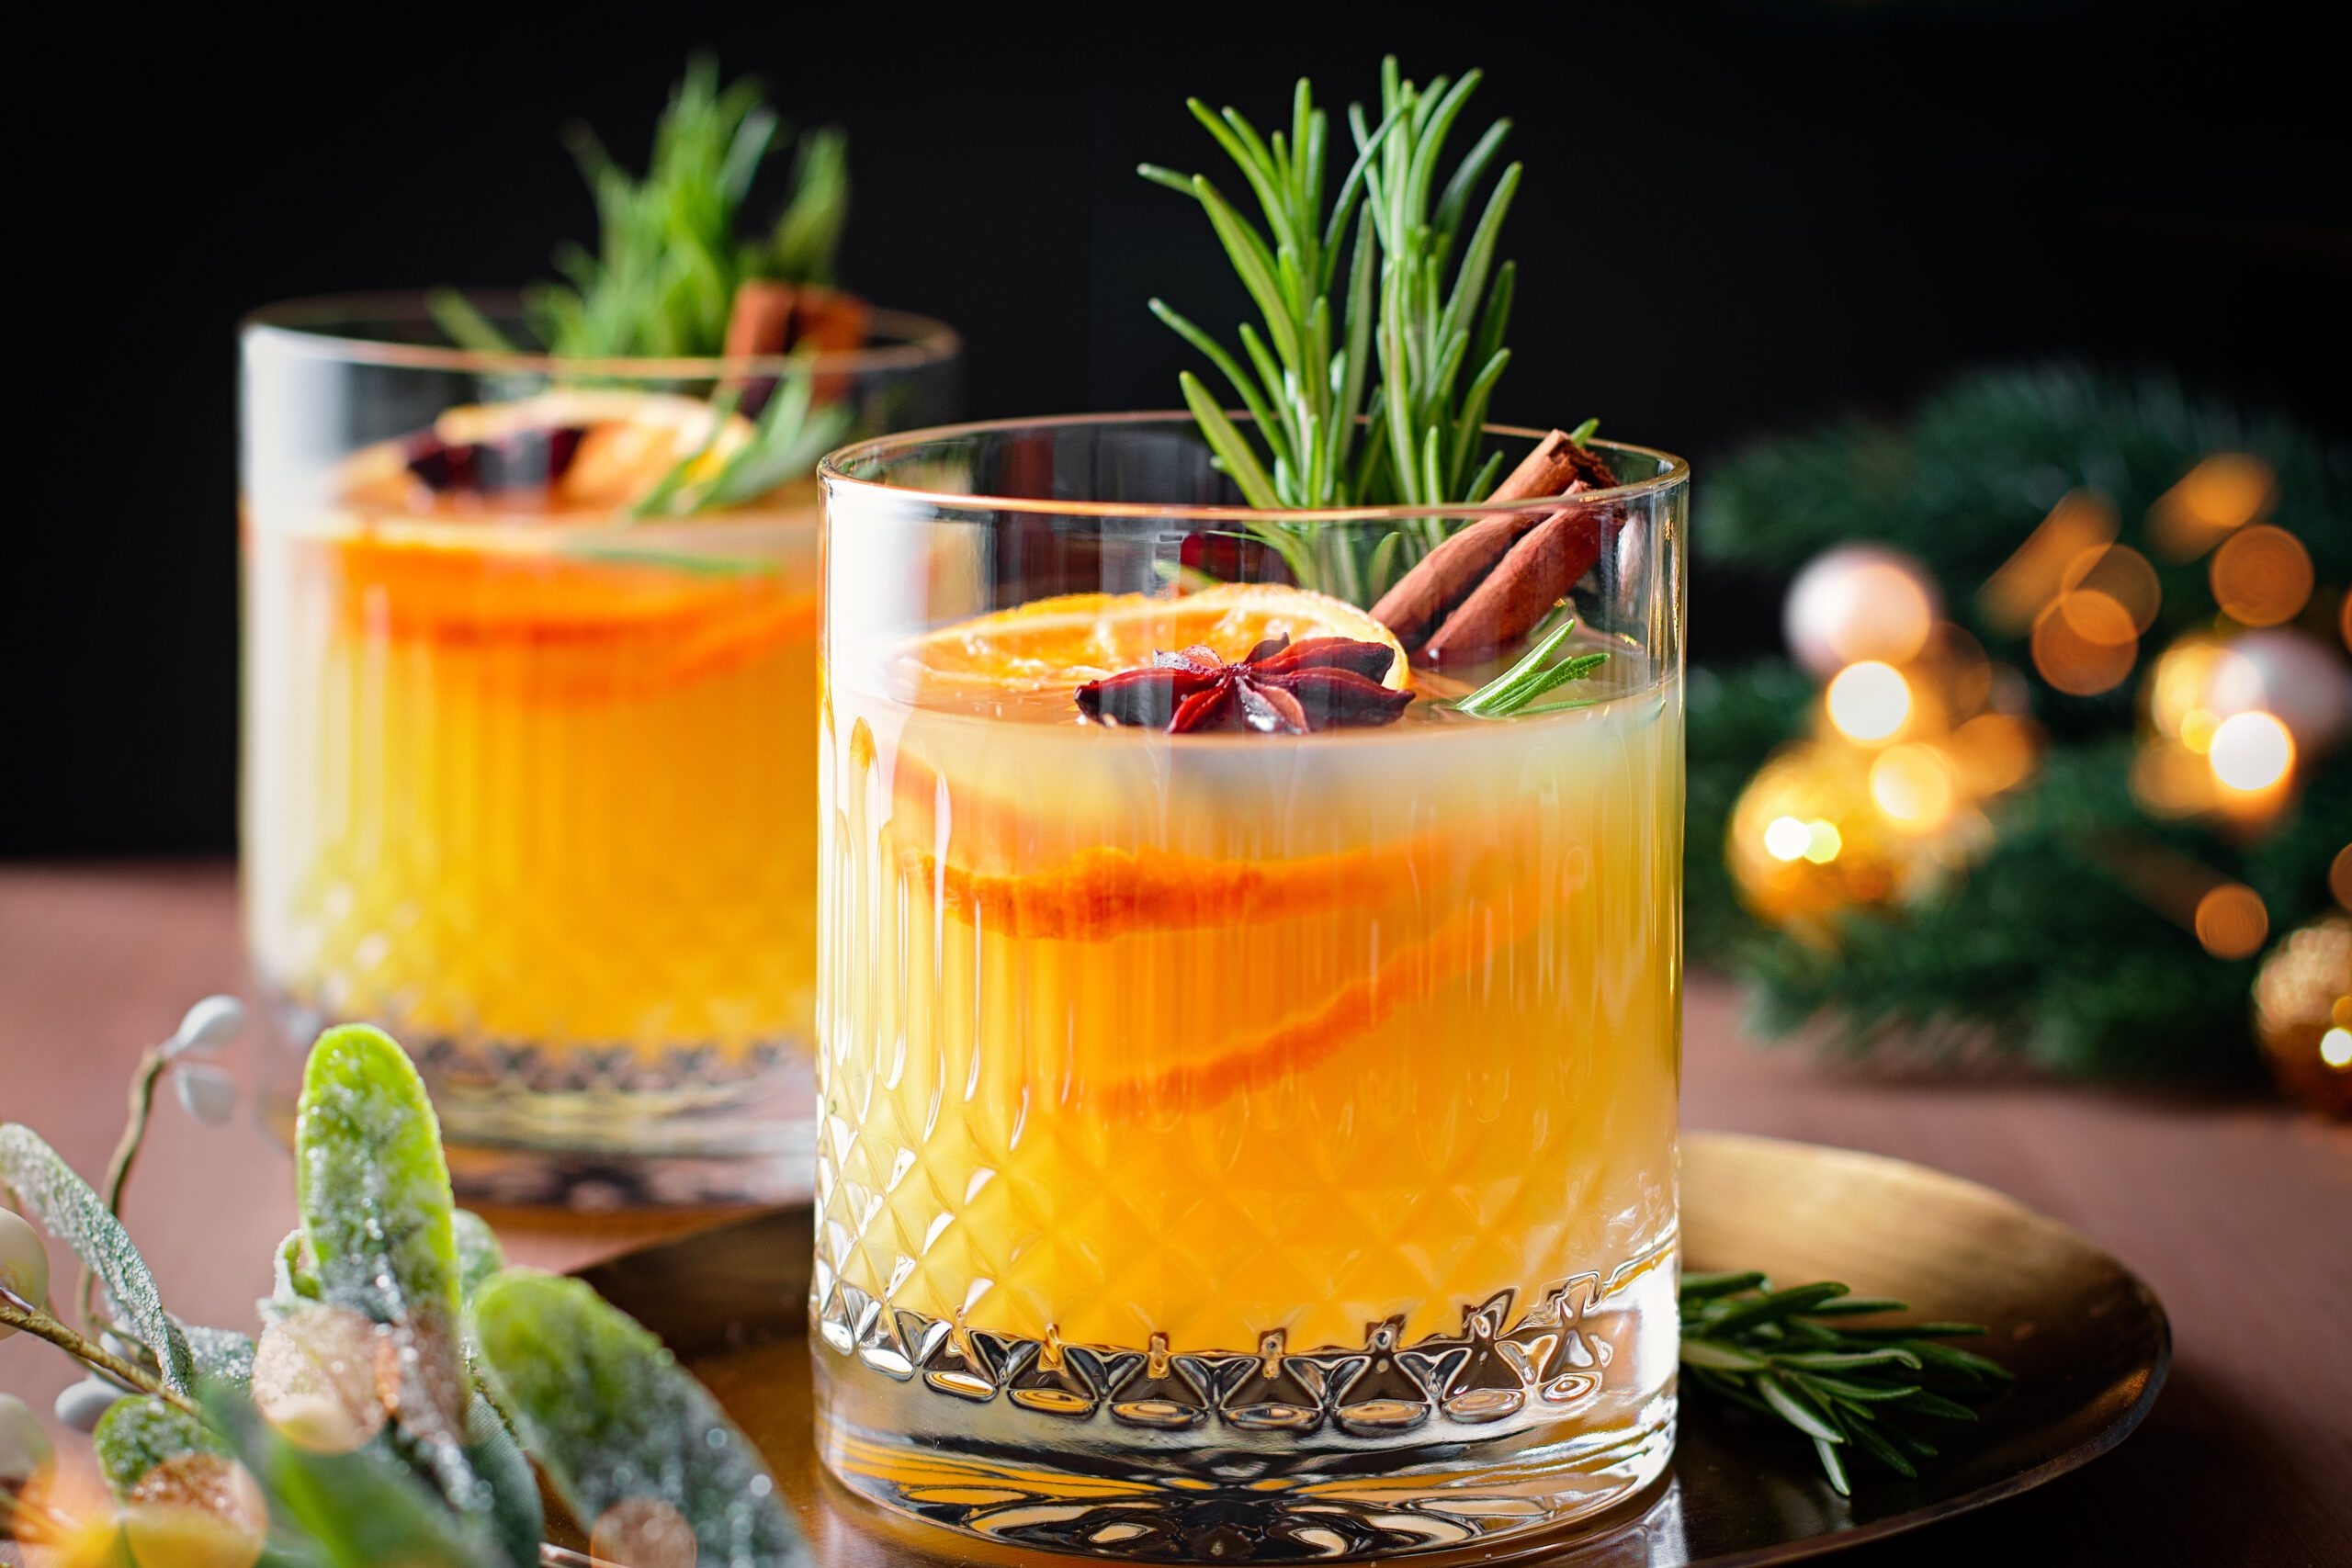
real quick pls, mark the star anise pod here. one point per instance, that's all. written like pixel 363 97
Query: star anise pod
pixel 1279 688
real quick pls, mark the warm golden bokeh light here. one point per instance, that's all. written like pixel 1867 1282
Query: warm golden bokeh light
pixel 1785 839
pixel 2251 751
pixel 2083 522
pixel 2170 781
pixel 2076 664
pixel 2224 492
pixel 642 1532
pixel 1913 785
pixel 1869 701
pixel 2335 1048
pixel 2111 593
pixel 2232 921
pixel 2262 576
pixel 198 1510
pixel 318 1379
pixel 2180 691
pixel 1992 752
pixel 1821 841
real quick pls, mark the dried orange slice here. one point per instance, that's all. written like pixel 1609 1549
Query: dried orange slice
pixel 1076 637
pixel 628 442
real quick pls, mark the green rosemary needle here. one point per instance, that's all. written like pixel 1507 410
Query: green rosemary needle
pixel 1786 1356
pixel 1516 688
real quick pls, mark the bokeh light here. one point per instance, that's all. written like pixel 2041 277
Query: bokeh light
pixel 317 1379
pixel 642 1532
pixel 1913 785
pixel 2339 876
pixel 2220 495
pixel 2081 523
pixel 2078 664
pixel 2335 1048
pixel 1869 701
pixel 2251 751
pixel 1858 601
pixel 198 1510
pixel 2232 921
pixel 2262 576
pixel 2111 593
pixel 1992 752
pixel 1785 839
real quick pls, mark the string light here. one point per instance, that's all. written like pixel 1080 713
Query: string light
pixel 2232 921
pixel 2079 665
pixel 2335 1048
pixel 2251 751
pixel 2262 576
pixel 2220 495
pixel 1913 785
pixel 1870 701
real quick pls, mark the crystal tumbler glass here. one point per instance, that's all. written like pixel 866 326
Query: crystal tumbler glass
pixel 1240 1138
pixel 530 759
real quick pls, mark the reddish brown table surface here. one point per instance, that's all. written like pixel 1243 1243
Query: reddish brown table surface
pixel 2238 1211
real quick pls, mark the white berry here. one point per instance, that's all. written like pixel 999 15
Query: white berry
pixel 80 1404
pixel 24 1262
pixel 210 1094
pixel 209 1025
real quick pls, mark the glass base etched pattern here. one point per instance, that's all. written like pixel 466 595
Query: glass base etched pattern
pixel 1513 1424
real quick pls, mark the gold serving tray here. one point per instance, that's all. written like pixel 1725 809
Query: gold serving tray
pixel 2088 1341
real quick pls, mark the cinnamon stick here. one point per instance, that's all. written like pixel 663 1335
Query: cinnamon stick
pixel 1536 575
pixel 1424 597
pixel 760 321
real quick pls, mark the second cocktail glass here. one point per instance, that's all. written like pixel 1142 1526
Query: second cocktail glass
pixel 1242 1143
pixel 529 691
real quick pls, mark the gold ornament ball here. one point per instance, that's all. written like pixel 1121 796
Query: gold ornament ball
pixel 1806 840
pixel 2303 1014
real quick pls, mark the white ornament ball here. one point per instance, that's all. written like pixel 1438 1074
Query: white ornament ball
pixel 2301 680
pixel 1858 601
pixel 24 1261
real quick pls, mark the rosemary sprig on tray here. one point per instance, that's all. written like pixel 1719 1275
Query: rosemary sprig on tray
pixel 1787 1355
pixel 669 253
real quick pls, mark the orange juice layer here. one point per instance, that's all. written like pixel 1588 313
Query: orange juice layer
pixel 504 793
pixel 1213 1036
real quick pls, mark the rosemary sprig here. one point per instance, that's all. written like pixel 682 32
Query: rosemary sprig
pixel 1400 304
pixel 792 431
pixel 1535 675
pixel 1783 1355
pixel 669 253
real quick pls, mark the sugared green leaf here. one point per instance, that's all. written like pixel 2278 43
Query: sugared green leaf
pixel 360 1509
pixel 478 1254
pixel 373 1189
pixel 613 1419
pixel 517 1520
pixel 77 1216
pixel 139 1433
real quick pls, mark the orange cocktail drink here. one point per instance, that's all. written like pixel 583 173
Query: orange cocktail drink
pixel 1285 1119
pixel 530 775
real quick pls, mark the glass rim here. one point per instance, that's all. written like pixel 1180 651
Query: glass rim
pixel 306 324
pixel 830 473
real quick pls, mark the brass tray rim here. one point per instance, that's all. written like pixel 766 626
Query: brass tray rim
pixel 1567 1549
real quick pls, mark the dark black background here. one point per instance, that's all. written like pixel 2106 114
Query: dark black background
pixel 1736 219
